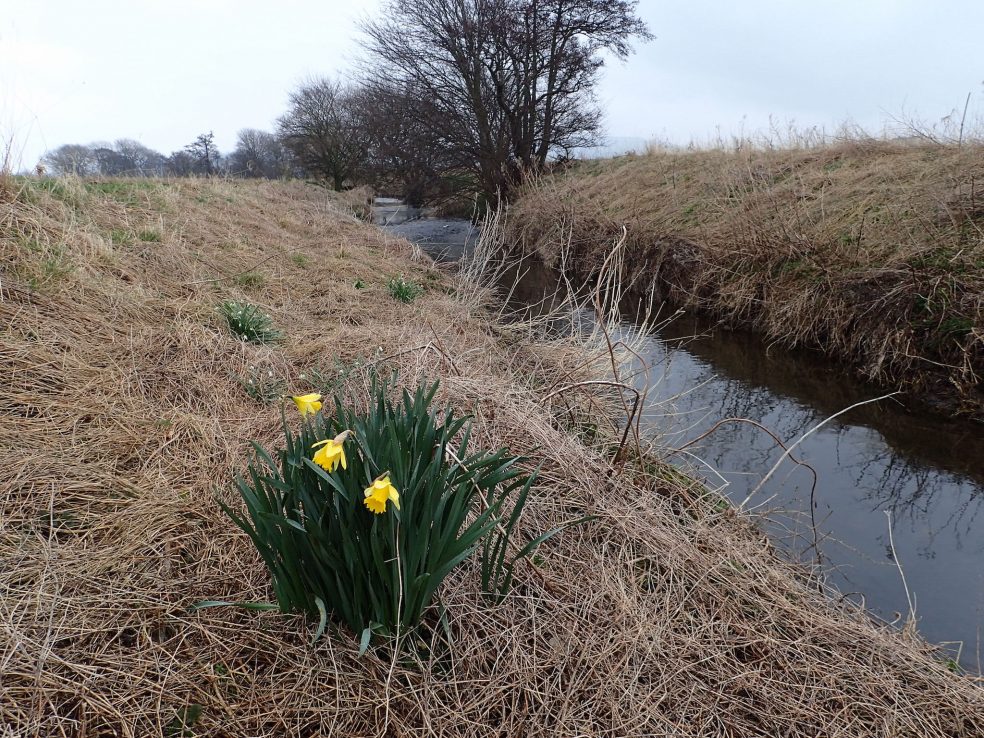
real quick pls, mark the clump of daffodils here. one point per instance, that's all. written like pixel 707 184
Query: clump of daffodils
pixel 361 515
pixel 330 453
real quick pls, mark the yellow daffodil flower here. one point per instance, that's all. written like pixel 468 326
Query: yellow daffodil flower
pixel 331 453
pixel 380 491
pixel 310 403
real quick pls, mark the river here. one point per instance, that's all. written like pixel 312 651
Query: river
pixel 898 506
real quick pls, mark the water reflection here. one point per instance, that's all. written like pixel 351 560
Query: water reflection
pixel 928 473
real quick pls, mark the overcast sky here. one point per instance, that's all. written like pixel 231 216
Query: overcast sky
pixel 163 71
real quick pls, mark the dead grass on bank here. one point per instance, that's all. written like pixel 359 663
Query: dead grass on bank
pixel 869 250
pixel 122 414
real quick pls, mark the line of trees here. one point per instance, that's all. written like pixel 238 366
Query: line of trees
pixel 257 154
pixel 457 95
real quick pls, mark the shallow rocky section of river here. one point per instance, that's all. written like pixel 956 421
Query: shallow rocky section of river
pixel 444 239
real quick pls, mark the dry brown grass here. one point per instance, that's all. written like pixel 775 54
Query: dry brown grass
pixel 868 250
pixel 121 416
pixel 6 170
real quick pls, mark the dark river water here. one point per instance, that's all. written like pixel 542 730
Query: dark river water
pixel 879 467
pixel 926 473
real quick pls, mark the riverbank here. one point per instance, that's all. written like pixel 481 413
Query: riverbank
pixel 130 404
pixel 879 486
pixel 870 252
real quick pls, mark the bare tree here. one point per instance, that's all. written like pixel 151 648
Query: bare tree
pixel 124 158
pixel 259 154
pixel 322 130
pixel 108 162
pixel 509 83
pixel 404 155
pixel 180 164
pixel 138 160
pixel 75 159
pixel 204 153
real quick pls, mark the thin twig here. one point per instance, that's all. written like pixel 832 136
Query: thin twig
pixel 806 435
pixel 774 437
pixel 895 558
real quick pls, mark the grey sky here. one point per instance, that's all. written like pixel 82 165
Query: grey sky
pixel 164 71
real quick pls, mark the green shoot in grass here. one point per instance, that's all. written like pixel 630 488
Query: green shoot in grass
pixel 249 322
pixel 403 290
pixel 263 385
pixel 250 279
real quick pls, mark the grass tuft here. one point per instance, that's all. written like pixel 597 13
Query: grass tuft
pixel 250 279
pixel 249 322
pixel 404 290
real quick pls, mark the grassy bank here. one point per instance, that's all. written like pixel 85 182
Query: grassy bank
pixel 870 251
pixel 127 402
